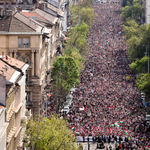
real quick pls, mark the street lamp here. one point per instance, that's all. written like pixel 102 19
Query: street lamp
pixel 147 54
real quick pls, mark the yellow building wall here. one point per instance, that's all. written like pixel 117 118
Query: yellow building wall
pixel 34 41
pixel 4 41
pixel 13 41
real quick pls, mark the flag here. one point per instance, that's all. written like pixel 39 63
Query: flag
pixel 110 30
pixel 121 121
pixel 116 98
pixel 101 57
pixel 110 48
pixel 112 125
pixel 108 41
pixel 100 46
pixel 72 128
pixel 136 128
pixel 111 107
pixel 119 32
pixel 117 125
pixel 77 133
pixel 110 131
pixel 126 132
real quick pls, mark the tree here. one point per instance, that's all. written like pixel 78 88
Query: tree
pixel 50 134
pixel 137 11
pixel 77 38
pixel 67 68
pixel 135 35
pixel 128 11
pixel 140 65
pixel 143 83
pixel 81 14
pixel 73 52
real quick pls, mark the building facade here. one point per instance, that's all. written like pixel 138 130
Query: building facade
pixel 14 72
pixel 3 123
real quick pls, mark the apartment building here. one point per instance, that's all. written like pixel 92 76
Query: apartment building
pixel 30 39
pixel 14 72
pixel 3 123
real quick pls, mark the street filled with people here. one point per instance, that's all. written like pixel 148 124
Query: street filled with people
pixel 107 103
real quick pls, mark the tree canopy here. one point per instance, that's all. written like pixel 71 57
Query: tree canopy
pixel 140 65
pixel 135 35
pixel 143 83
pixel 77 37
pixel 81 14
pixel 50 134
pixel 67 67
pixel 74 53
pixel 132 11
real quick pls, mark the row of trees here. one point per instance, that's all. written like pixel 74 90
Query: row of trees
pixel 137 38
pixel 70 64
pixel 55 133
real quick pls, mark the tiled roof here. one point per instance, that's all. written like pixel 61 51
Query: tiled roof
pixel 14 62
pixel 10 73
pixel 27 21
pixel 5 23
pixel 32 15
pixel 47 16
pixel 58 11
pixel 17 23
pixel 18 26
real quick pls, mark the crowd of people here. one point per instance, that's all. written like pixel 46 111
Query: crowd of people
pixel 107 102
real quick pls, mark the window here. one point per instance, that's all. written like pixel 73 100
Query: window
pixel 34 63
pixel 25 41
pixel 19 41
pixel 28 96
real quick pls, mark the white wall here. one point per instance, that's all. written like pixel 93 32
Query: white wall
pixel 2 131
pixel 147 11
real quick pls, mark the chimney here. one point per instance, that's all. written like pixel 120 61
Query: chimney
pixel 42 6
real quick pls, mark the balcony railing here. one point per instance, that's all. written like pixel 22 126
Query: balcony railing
pixel 29 83
pixel 24 46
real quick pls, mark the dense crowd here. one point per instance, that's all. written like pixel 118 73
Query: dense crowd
pixel 107 101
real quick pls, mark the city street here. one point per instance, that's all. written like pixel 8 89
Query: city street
pixel 107 101
pixel 94 145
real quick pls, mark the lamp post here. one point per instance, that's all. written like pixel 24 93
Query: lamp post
pixel 147 54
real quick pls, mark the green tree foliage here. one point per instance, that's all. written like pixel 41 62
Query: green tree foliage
pixel 140 65
pixel 135 35
pixel 143 83
pixel 54 134
pixel 77 38
pixel 73 52
pixel 69 75
pixel 128 11
pixel 81 14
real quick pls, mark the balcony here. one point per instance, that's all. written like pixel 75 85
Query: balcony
pixel 29 83
pixel 24 45
pixel 29 103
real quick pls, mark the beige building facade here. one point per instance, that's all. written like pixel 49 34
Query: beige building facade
pixel 14 72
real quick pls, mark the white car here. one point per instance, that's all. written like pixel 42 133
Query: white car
pixel 66 109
